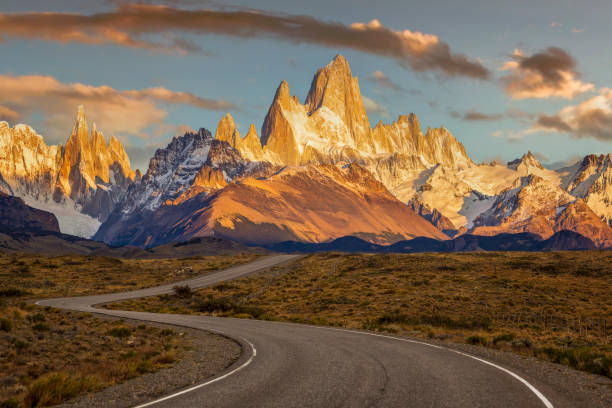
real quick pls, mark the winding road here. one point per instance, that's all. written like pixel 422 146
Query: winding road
pixel 292 365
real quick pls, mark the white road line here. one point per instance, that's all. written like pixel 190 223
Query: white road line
pixel 533 389
pixel 234 371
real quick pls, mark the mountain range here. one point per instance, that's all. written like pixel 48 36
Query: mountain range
pixel 318 171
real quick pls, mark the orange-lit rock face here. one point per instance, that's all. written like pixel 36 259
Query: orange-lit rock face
pixel 74 171
pixel 541 207
pixel 309 203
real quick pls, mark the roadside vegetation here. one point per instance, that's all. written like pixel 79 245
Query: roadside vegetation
pixel 552 305
pixel 48 356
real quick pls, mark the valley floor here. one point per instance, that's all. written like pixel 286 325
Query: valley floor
pixel 48 356
pixel 550 305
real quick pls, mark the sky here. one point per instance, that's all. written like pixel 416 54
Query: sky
pixel 504 77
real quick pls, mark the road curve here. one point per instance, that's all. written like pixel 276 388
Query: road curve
pixel 291 365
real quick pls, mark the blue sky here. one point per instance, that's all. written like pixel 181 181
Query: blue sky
pixel 246 72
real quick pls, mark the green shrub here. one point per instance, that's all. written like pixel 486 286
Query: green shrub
pixel 119 331
pixel 144 366
pixel 476 340
pixel 40 327
pixel 12 292
pixel 10 403
pixel 182 291
pixel 6 325
pixel 38 317
pixel 20 344
pixel 507 337
pixel 167 332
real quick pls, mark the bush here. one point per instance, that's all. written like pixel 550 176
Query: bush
pixel 508 337
pixel 182 291
pixel 10 403
pixel 167 332
pixel 476 340
pixel 56 388
pixel 436 320
pixel 581 359
pixel 40 327
pixel 227 306
pixel 120 331
pixel 38 317
pixel 12 292
pixel 6 325
pixel 20 344
pixel 144 366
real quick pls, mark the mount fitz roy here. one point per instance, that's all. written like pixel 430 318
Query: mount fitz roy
pixel 317 172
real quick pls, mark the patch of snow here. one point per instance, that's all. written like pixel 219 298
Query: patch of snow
pixel 71 220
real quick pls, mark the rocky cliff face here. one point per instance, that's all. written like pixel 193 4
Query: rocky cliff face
pixel 172 171
pixel 591 180
pixel 333 126
pixel 538 206
pixel 80 182
pixel 311 203
pixel 16 216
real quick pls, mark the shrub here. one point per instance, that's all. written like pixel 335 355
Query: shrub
pixel 6 325
pixel 182 291
pixel 38 317
pixel 144 366
pixel 12 292
pixel 167 332
pixel 476 340
pixel 10 403
pixel 20 344
pixel 508 337
pixel 119 331
pixel 40 327
pixel 56 388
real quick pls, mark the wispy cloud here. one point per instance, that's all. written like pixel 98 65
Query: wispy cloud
pixel 129 24
pixel 374 108
pixel 8 114
pixel 577 30
pixel 380 79
pixel 116 111
pixel 556 24
pixel 473 115
pixel 548 73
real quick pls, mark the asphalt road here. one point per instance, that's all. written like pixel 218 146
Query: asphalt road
pixel 291 365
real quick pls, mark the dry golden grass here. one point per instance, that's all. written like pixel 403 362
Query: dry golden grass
pixel 80 275
pixel 553 305
pixel 48 356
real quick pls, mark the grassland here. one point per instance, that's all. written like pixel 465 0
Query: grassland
pixel 555 306
pixel 48 356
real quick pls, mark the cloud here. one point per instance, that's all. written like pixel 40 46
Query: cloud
pixel 7 114
pixel 548 73
pixel 115 111
pixel 552 122
pixel 555 24
pixel 383 81
pixel 374 108
pixel 131 25
pixel 541 157
pixel 475 116
pixel 577 30
pixel 591 118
